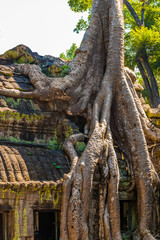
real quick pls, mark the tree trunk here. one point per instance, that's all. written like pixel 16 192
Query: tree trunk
pixel 152 79
pixel 146 82
pixel 148 78
pixel 144 66
pixel 100 89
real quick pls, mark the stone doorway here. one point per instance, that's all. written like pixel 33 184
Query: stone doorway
pixel 128 214
pixel 46 225
pixel 3 225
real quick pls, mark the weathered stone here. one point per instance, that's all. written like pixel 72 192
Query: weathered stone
pixel 153 113
pixel 7 71
pixel 54 71
pixel 50 65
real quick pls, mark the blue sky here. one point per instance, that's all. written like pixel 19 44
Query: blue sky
pixel 46 26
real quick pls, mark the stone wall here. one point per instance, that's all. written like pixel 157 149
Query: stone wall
pixel 19 207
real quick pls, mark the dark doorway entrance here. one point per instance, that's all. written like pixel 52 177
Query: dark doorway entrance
pixel 46 225
pixel 1 226
pixel 128 214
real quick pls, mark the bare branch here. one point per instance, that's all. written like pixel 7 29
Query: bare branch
pixel 133 13
pixel 142 14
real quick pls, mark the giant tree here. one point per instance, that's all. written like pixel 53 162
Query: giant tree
pixel 142 39
pixel 100 89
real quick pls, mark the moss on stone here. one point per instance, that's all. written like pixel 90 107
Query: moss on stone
pixel 54 71
pixel 24 222
pixel 45 193
pixel 7 115
pixel 25 59
pixel 153 113
pixel 48 194
pixel 20 54
pixel 156 121
pixel 4 70
pixel 56 198
pixel 80 147
pixel 13 53
pixel 16 221
pixel 68 131
pixel 126 236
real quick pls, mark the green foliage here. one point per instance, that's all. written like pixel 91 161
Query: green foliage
pixel 145 37
pixel 62 55
pixel 53 144
pixel 148 36
pixel 70 53
pixel 129 20
pixel 80 146
pixel 14 140
pixel 145 95
pixel 29 153
pixel 68 131
pixel 80 5
pixel 11 102
pixel 56 166
pixel 17 103
pixel 65 70
pixel 82 24
pixel 145 92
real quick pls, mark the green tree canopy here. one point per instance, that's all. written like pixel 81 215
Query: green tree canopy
pixel 144 39
pixel 148 35
pixel 70 53
pixel 80 5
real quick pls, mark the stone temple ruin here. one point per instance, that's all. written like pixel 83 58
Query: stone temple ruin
pixel 32 161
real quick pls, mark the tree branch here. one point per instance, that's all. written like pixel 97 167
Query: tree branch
pixel 133 13
pixel 151 78
pixel 146 81
pixel 143 10
pixel 142 14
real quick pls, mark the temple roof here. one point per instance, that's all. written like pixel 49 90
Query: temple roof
pixel 9 80
pixel 28 165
